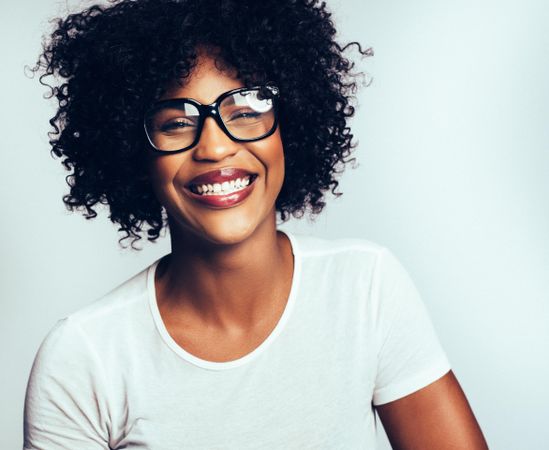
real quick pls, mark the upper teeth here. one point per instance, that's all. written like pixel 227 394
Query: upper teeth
pixel 224 188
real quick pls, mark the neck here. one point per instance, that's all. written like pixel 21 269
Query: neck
pixel 225 286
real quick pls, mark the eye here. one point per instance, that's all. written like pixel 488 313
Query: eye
pixel 176 125
pixel 245 114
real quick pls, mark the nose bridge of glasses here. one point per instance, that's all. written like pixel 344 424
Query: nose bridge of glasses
pixel 213 141
pixel 207 111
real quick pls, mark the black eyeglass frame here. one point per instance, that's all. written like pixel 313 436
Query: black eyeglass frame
pixel 212 110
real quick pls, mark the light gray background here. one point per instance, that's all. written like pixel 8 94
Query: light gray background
pixel 454 159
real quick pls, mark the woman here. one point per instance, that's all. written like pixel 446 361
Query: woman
pixel 221 114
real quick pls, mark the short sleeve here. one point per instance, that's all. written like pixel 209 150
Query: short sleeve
pixel 409 354
pixel 65 406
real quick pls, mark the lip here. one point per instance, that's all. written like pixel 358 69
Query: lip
pixel 219 176
pixel 224 201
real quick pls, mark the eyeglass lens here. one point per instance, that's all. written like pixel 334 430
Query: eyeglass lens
pixel 246 115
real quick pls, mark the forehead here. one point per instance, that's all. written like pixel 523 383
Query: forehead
pixel 208 80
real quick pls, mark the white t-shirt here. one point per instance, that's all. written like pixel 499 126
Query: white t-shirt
pixel 354 333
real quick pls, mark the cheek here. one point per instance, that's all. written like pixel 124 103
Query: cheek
pixel 274 159
pixel 162 171
pixel 280 169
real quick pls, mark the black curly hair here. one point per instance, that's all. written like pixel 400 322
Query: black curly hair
pixel 116 59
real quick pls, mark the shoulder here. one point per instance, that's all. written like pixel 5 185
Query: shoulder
pixel 348 259
pixel 121 301
pixel 350 255
pixel 342 265
pixel 313 246
pixel 121 311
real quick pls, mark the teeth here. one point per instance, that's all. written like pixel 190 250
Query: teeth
pixel 227 187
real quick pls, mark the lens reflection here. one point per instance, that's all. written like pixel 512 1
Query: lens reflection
pixel 247 116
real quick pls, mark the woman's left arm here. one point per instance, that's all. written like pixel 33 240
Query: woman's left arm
pixel 436 417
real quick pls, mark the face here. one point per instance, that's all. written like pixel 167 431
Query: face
pixel 235 213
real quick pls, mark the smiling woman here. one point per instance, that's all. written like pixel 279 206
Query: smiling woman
pixel 211 117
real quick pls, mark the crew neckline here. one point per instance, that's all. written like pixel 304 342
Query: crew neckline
pixel 215 365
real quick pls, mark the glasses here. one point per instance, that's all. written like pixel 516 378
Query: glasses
pixel 244 114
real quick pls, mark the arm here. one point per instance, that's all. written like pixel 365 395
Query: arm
pixel 436 417
pixel 65 404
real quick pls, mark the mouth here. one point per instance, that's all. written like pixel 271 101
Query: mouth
pixel 222 188
pixel 226 187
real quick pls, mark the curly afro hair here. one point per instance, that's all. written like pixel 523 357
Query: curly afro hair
pixel 115 61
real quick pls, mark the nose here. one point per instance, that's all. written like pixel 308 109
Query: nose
pixel 214 144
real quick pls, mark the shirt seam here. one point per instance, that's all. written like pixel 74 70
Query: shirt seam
pixel 308 253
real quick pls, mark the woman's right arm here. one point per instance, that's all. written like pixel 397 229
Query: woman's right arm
pixel 64 408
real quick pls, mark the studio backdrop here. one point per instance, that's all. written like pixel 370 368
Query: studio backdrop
pixel 452 175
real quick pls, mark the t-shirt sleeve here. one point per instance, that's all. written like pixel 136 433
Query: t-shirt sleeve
pixel 409 354
pixel 65 406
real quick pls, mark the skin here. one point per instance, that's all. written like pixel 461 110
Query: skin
pixel 437 417
pixel 225 284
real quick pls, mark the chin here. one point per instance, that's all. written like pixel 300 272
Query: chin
pixel 230 231
pixel 224 236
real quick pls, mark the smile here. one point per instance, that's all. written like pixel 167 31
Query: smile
pixel 225 188
pixel 222 188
